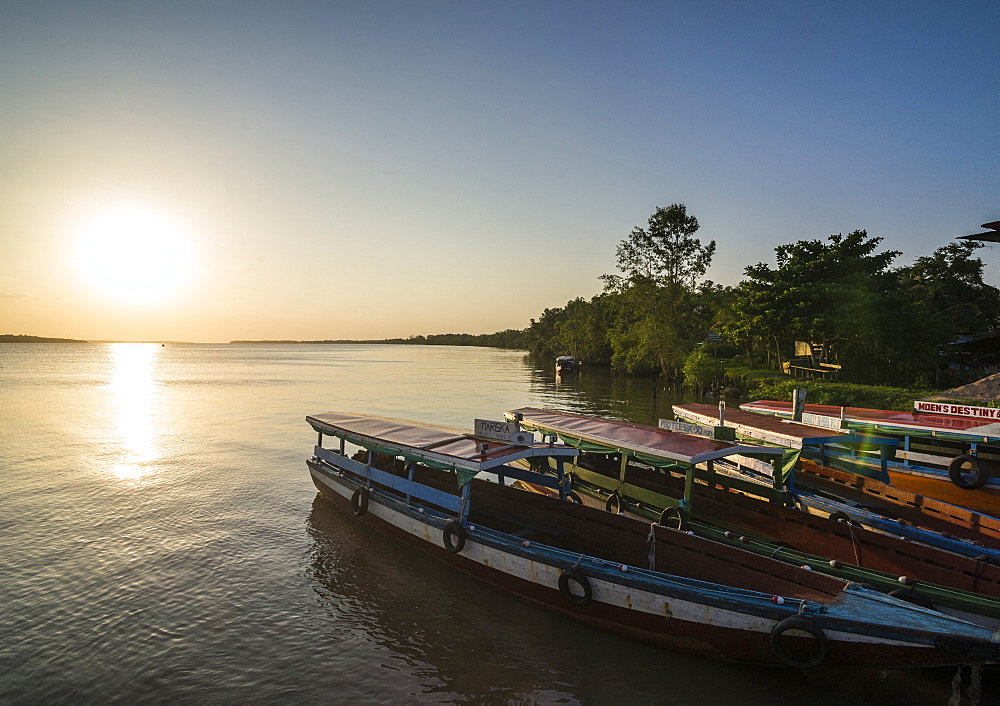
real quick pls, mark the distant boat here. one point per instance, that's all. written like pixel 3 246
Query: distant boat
pixel 567 364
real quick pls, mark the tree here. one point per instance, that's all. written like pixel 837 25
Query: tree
pixel 835 293
pixel 700 369
pixel 949 286
pixel 584 330
pixel 661 266
pixel 541 336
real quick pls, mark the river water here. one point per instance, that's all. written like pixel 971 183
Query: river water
pixel 161 541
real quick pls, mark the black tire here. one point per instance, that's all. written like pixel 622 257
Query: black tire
pixel 614 501
pixel 959 468
pixel 798 622
pixel 579 579
pixel 905 594
pixel 573 497
pixel 840 516
pixel 674 518
pixel 454 536
pixel 359 501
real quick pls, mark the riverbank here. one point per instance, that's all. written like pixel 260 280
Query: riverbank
pixel 772 385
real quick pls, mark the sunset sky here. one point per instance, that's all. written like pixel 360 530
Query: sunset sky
pixel 310 170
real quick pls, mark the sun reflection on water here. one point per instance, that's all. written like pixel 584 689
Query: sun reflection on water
pixel 134 389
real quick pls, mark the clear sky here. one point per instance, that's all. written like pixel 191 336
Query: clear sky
pixel 379 169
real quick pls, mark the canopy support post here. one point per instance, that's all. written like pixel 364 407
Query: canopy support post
pixel 409 476
pixel 689 484
pixel 883 452
pixel 463 513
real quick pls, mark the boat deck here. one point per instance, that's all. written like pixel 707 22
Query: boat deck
pixel 633 438
pixel 439 445
pixel 771 429
pixel 887 419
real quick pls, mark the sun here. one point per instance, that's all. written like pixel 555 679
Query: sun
pixel 135 255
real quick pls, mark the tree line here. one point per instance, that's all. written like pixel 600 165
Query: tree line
pixel 882 323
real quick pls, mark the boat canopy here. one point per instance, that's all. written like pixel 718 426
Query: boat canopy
pixel 773 430
pixel 656 447
pixel 888 420
pixel 440 447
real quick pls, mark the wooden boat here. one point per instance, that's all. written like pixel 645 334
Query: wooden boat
pixel 617 573
pixel 610 474
pixel 861 453
pixel 868 500
pixel 950 457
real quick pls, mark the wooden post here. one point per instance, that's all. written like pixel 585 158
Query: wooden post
pixel 776 467
pixel 798 403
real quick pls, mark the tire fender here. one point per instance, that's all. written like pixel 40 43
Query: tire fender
pixel 577 577
pixel 674 518
pixel 957 472
pixel 359 501
pixel 798 622
pixel 454 536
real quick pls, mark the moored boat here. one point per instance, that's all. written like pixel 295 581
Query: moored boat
pixel 623 474
pixel 567 364
pixel 830 470
pixel 617 573
pixel 952 457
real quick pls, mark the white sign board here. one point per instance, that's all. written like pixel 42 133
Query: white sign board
pixel 958 410
pixel 685 428
pixel 500 431
pixel 821 420
pixel 504 431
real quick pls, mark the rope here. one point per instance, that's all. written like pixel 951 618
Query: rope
pixel 652 546
pixel 854 541
pixel 956 688
pixel 975 684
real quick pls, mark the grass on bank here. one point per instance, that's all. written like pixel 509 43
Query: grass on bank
pixel 772 385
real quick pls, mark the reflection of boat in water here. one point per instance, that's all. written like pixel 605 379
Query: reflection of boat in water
pixel 617 573
pixel 567 364
pixel 952 458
